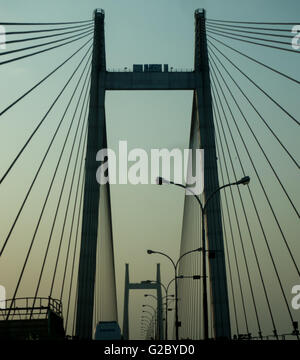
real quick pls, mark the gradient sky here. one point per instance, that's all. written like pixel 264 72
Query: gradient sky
pixel 140 31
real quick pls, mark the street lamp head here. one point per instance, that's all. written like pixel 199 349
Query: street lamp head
pixel 196 277
pixel 245 181
pixel 150 252
pixel 160 180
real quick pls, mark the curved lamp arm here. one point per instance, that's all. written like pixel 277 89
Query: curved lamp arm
pixel 188 252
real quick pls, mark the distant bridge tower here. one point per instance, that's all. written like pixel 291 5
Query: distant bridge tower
pixel 144 285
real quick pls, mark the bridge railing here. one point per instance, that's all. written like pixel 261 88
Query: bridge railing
pixel 30 307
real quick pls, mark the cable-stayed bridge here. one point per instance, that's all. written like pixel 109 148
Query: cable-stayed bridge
pixel 56 220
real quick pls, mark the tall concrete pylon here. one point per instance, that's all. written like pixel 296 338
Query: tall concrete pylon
pixel 202 110
pixel 96 140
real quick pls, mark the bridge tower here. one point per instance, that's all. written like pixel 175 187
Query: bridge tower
pixel 144 285
pixel 202 114
pixel 202 121
pixel 96 141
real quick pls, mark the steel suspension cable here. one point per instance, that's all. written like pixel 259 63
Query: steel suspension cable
pixel 264 153
pixel 256 61
pixel 48 23
pixel 218 32
pixel 44 50
pixel 75 309
pixel 254 42
pixel 48 193
pixel 47 113
pixel 258 216
pixel 261 117
pixel 253 28
pixel 41 81
pixel 58 163
pixel 80 210
pixel 246 218
pixel 41 164
pixel 275 217
pixel 220 27
pixel 3 53
pixel 231 231
pixel 43 30
pixel 63 184
pixel 220 125
pixel 63 227
pixel 76 196
pixel 47 36
pixel 225 236
pixel 252 22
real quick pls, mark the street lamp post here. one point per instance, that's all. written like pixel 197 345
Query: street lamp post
pixel 166 310
pixel 155 316
pixel 166 316
pixel 167 299
pixel 161 284
pixel 151 307
pixel 244 181
pixel 146 322
pixel 152 316
pixel 149 322
pixel 147 312
pixel 175 265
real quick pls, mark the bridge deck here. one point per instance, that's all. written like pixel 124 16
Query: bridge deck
pixel 152 80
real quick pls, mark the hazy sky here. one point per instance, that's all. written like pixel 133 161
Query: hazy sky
pixel 144 216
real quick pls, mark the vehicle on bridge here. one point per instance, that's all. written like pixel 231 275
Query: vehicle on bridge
pixel 150 68
pixel 107 330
